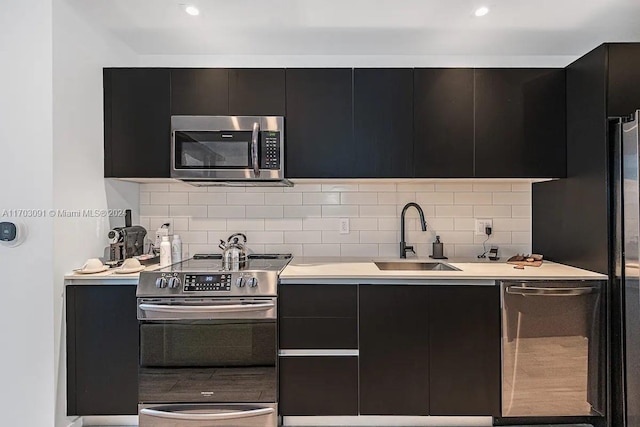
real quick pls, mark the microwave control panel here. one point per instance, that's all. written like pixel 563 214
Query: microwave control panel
pixel 270 149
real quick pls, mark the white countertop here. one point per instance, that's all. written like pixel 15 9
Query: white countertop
pixel 109 275
pixel 333 270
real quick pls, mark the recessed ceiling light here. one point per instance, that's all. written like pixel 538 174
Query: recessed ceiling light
pixel 192 10
pixel 481 11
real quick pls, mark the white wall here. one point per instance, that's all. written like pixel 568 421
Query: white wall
pixel 303 220
pixel 80 50
pixel 26 309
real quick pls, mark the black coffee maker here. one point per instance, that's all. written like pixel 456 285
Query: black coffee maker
pixel 126 242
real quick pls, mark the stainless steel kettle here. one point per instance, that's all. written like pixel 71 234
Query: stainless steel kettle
pixel 234 252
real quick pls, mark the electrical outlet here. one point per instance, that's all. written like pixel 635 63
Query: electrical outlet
pixel 481 225
pixel 344 226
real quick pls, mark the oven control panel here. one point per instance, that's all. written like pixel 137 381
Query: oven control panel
pixel 207 282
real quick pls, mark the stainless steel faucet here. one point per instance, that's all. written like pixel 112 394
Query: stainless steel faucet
pixel 403 245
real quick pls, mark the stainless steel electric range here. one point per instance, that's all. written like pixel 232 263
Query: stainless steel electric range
pixel 208 343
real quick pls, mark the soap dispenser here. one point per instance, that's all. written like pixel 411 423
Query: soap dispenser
pixel 438 249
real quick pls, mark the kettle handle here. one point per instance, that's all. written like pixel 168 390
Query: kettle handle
pixel 222 245
pixel 244 238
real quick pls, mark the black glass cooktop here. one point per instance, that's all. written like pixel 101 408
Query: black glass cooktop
pixel 213 262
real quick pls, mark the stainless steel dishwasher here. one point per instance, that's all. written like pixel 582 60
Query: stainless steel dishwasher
pixel 553 352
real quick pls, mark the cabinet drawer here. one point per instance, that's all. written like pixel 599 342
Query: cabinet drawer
pixel 318 301
pixel 318 333
pixel 318 385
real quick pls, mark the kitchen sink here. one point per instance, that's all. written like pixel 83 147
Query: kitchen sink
pixel 416 266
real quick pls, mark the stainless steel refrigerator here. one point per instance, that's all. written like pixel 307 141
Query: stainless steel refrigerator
pixel 625 307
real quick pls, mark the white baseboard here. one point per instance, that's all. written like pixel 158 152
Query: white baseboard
pixel 388 421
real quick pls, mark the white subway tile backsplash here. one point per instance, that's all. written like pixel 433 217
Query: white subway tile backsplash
pixel 331 236
pixel 302 211
pixel 521 211
pixel 303 237
pixel 492 211
pixel 207 198
pixel 283 224
pixel 267 237
pixel 521 186
pixel 320 223
pixel 193 211
pixel 523 198
pixel 454 211
pixel 312 250
pixel 340 211
pixel 149 187
pixel 218 211
pixel 304 219
pixel 303 188
pixel 283 198
pixel 378 188
pixel 245 224
pixel 245 199
pixel 475 198
pixel 265 211
pixel 359 198
pixel 339 187
pixel 167 198
pixel 151 210
pixel 434 198
pixel 454 186
pixel 492 186
pixel 379 236
pixel 378 211
pixel 363 223
pixel 206 224
pixel 414 187
pixel 359 250
pixel 321 199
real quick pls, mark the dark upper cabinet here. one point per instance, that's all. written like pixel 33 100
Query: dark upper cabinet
pixel 394 350
pixel 102 350
pixel 382 123
pixel 464 350
pixel 623 89
pixel 319 120
pixel 318 385
pixel 257 92
pixel 520 123
pixel 443 123
pixel 200 91
pixel 136 122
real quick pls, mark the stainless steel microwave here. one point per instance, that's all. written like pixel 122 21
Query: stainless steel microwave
pixel 227 148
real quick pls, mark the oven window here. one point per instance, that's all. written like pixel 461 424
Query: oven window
pixel 212 150
pixel 199 343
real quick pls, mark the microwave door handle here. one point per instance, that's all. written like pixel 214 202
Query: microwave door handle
pixel 254 148
pixel 549 292
pixel 235 308
pixel 206 417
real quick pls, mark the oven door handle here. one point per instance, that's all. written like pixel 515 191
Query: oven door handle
pixel 207 417
pixel 549 292
pixel 254 148
pixel 234 308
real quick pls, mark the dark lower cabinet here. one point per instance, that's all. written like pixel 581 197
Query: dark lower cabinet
pixel 137 123
pixel 464 350
pixel 102 350
pixel 394 350
pixel 318 385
